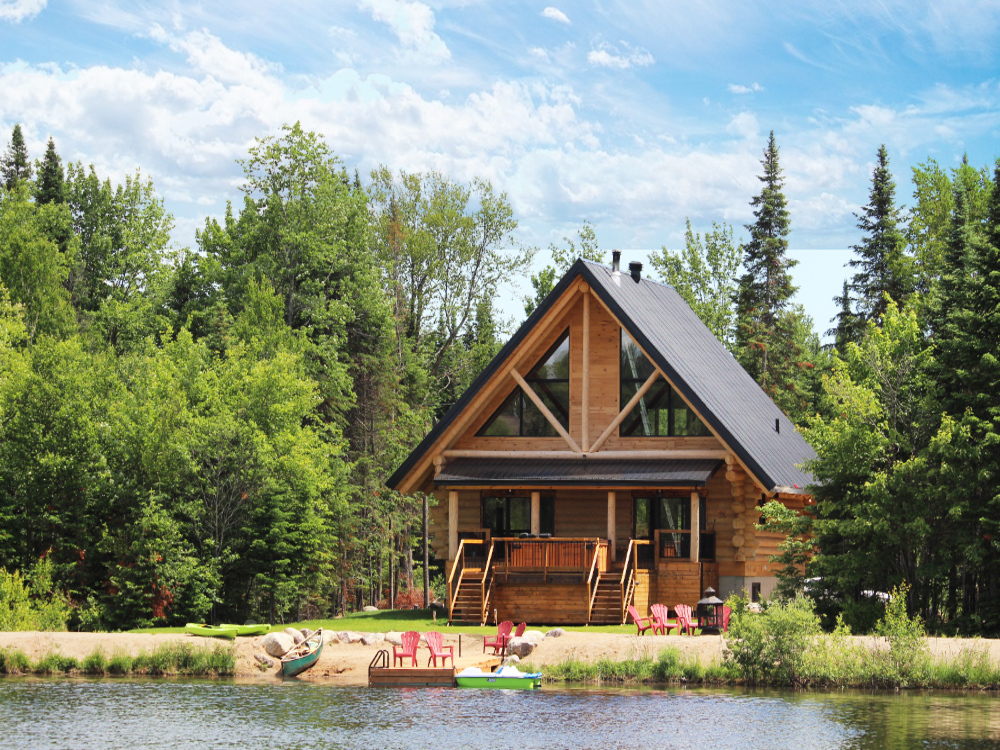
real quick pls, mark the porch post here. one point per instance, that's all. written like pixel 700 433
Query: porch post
pixel 695 527
pixel 452 524
pixel 536 512
pixel 611 525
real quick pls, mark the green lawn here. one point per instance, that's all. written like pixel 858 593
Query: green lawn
pixel 385 621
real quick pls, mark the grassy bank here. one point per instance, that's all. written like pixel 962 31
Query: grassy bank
pixel 173 659
pixel 400 620
pixel 830 666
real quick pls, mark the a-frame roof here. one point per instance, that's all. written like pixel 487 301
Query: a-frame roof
pixel 693 359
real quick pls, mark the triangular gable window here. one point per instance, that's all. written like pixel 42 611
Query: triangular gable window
pixel 661 412
pixel 549 379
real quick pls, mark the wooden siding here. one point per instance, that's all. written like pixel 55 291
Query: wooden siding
pixel 540 604
pixel 604 389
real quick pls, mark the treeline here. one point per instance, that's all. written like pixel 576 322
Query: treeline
pixel 904 409
pixel 206 434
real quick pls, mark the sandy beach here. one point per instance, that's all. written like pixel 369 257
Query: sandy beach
pixel 347 664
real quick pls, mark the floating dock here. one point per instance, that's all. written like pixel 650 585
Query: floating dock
pixel 412 677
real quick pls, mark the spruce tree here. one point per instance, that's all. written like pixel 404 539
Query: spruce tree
pixel 50 177
pixel 765 343
pixel 881 263
pixel 848 328
pixel 16 166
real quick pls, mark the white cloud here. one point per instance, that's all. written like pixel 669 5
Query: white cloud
pixel 413 25
pixel 736 88
pixel 554 14
pixel 606 55
pixel 16 11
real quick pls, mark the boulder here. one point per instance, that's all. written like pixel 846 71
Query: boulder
pixel 264 661
pixel 349 636
pixel 372 639
pixel 520 647
pixel 511 661
pixel 277 644
pixel 295 635
pixel 555 633
pixel 535 636
pixel 396 639
pixel 370 608
pixel 329 637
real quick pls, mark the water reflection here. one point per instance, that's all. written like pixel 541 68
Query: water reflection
pixel 201 714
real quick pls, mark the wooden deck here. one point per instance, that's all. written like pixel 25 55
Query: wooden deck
pixel 412 677
pixel 570 582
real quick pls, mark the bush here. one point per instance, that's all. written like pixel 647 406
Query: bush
pixel 907 658
pixel 30 603
pixel 770 647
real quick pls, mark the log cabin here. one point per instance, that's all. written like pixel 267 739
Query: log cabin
pixel 613 453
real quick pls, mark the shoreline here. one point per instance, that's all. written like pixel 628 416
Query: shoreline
pixel 344 664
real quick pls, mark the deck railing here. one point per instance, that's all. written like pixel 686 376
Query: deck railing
pixel 552 556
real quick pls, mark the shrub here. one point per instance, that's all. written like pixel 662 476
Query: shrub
pixel 13 662
pixel 30 603
pixel 770 646
pixel 907 657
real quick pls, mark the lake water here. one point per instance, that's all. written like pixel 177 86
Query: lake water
pixel 125 714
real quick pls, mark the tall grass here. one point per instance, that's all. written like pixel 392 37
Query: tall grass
pixel 168 659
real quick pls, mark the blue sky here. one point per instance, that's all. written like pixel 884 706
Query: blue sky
pixel 631 115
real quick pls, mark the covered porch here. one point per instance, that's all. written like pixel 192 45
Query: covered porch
pixel 575 554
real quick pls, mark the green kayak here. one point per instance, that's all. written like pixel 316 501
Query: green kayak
pixel 249 629
pixel 507 678
pixel 212 631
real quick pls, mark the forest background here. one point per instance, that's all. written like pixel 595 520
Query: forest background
pixel 204 434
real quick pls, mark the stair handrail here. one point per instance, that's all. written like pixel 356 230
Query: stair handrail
pixel 628 570
pixel 486 585
pixel 592 587
pixel 458 567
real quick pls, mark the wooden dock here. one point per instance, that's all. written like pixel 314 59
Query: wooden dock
pixel 412 677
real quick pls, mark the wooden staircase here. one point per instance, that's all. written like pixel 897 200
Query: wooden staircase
pixel 607 609
pixel 469 598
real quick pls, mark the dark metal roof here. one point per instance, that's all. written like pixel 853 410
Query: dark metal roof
pixel 578 471
pixel 707 375
pixel 697 363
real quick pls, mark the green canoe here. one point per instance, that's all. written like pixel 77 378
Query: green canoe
pixel 212 631
pixel 303 656
pixel 249 629
pixel 507 678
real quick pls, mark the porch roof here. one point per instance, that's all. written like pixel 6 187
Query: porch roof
pixel 576 472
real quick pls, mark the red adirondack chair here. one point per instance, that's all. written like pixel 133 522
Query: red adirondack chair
pixel 684 621
pixel 520 630
pixel 726 612
pixel 411 639
pixel 435 642
pixel 661 619
pixel 642 624
pixel 499 643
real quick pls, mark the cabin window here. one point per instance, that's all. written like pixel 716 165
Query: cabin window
pixel 661 412
pixel 672 517
pixel 510 516
pixel 549 379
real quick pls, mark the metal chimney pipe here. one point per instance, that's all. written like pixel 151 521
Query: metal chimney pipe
pixel 616 261
pixel 635 268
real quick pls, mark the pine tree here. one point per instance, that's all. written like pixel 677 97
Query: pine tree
pixel 50 177
pixel 764 337
pixel 16 166
pixel 849 327
pixel 881 263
